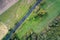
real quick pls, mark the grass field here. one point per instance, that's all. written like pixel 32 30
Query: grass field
pixel 52 8
pixel 16 12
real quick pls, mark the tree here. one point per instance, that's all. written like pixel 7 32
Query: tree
pixel 42 12
pixel 43 2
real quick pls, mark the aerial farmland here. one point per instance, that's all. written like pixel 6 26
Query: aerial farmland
pixel 30 19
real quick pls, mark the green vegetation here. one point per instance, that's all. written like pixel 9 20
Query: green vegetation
pixel 41 16
pixel 50 33
pixel 14 37
pixel 38 23
pixel 55 22
pixel 16 12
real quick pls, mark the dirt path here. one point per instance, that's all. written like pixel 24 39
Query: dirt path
pixel 3 30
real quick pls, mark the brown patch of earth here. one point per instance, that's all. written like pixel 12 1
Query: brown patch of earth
pixel 3 30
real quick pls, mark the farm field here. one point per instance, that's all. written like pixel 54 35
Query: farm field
pixel 37 25
pixel 16 12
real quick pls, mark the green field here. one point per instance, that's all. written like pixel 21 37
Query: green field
pixel 16 12
pixel 37 25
